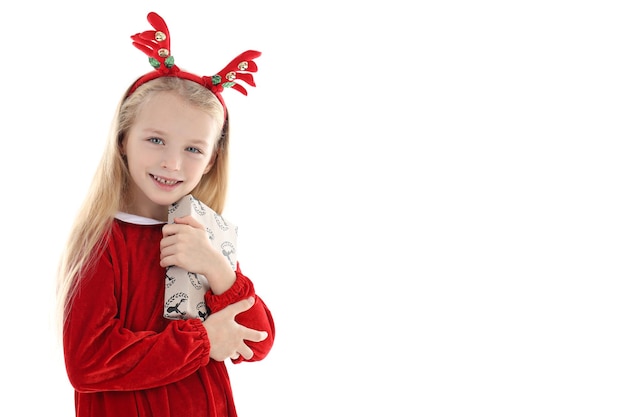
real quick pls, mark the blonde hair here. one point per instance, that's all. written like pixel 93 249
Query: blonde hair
pixel 108 193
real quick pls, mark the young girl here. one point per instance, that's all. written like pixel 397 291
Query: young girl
pixel 170 138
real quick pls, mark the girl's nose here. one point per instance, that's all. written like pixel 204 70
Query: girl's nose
pixel 170 161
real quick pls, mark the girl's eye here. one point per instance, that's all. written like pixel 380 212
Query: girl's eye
pixel 156 141
pixel 194 150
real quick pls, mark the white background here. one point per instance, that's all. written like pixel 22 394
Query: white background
pixel 430 195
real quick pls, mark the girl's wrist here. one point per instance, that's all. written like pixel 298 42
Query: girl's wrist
pixel 221 281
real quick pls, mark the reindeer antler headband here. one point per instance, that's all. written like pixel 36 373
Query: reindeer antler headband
pixel 156 44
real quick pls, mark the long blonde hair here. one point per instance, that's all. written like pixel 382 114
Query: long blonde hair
pixel 108 192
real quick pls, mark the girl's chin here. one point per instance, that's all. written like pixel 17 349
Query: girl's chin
pixel 167 199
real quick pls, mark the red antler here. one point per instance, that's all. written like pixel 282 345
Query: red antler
pixel 239 68
pixel 155 43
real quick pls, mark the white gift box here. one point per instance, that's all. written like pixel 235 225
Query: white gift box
pixel 184 290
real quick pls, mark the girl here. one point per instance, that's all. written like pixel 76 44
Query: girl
pixel 169 138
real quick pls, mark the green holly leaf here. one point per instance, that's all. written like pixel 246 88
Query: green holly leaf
pixel 154 62
pixel 169 61
pixel 228 84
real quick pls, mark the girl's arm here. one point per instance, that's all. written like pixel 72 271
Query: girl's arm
pixel 258 317
pixel 186 244
pixel 102 353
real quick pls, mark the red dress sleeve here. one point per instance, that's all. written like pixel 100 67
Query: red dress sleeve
pixel 258 317
pixel 103 353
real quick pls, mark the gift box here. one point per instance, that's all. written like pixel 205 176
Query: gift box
pixel 184 290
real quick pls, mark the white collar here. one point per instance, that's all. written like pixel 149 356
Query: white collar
pixel 133 218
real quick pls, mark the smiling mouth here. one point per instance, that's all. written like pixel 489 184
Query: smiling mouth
pixel 164 181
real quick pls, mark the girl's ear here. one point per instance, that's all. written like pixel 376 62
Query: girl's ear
pixel 211 162
pixel 122 147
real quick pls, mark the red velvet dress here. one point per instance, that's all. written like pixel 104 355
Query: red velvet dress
pixel 124 359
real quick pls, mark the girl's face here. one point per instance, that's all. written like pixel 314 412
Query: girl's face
pixel 168 149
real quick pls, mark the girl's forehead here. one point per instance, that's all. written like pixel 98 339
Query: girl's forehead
pixel 168 114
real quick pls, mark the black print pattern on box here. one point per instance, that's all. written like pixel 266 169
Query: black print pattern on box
pixel 169 279
pixel 173 306
pixel 228 249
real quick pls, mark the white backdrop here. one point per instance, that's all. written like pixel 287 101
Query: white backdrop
pixel 430 195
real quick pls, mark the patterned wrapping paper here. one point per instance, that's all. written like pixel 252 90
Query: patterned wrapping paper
pixel 184 291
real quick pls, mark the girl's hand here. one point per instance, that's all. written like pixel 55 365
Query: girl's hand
pixel 227 337
pixel 186 244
